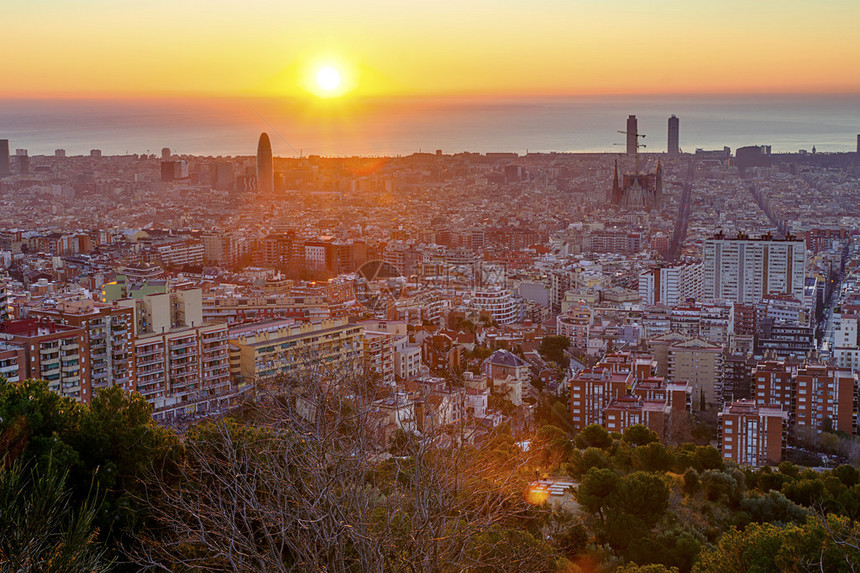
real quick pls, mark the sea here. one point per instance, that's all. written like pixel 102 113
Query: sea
pixel 401 126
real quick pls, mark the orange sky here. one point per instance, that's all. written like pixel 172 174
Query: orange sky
pixel 482 47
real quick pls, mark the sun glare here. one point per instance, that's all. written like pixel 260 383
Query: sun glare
pixel 328 79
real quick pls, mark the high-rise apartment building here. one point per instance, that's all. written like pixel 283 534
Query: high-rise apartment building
pixel 846 344
pixel 671 285
pixel 622 390
pixel 701 363
pixel 745 269
pixel 674 132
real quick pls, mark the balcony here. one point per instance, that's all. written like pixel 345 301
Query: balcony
pixel 150 351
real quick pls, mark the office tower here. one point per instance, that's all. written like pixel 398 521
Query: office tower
pixel 4 156
pixel 165 153
pixel 746 269
pixel 632 134
pixel 265 168
pixel 59 153
pixel 221 175
pixel 674 130
pixel 96 153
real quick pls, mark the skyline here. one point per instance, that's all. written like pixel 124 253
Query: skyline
pixel 383 126
pixel 485 49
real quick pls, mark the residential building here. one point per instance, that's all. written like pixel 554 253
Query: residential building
pixel 262 352
pixel 752 435
pixel 745 269
pixel 701 363
pixel 671 285
pixel 53 352
pixel 109 331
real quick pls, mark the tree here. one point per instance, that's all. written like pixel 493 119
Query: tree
pixel 642 494
pixel 596 489
pixel 824 543
pixel 593 435
pixel 553 349
pixel 772 507
pixel 554 444
pixel 583 461
pixel 639 435
pixel 40 529
pixel 304 488
pixel 653 458
pixel 691 482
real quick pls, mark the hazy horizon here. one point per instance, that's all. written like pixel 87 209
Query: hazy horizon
pixel 401 125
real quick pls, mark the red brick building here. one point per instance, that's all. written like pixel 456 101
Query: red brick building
pixel 752 435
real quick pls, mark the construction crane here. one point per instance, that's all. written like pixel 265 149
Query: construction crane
pixel 637 135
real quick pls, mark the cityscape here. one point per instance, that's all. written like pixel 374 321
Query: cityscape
pixel 640 359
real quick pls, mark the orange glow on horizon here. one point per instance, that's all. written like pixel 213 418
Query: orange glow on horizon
pixel 440 49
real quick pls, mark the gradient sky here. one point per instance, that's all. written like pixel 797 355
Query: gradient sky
pixel 444 47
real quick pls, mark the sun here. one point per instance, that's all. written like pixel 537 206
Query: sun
pixel 328 79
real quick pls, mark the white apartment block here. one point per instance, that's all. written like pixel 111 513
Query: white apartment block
pixel 671 285
pixel 846 346
pixel 744 269
pixel 503 306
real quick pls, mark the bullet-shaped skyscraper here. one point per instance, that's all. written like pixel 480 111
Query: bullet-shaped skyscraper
pixel 265 168
pixel 674 131
pixel 632 134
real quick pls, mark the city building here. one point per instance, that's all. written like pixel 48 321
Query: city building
pixel 53 352
pixel 13 362
pixel 4 157
pixel 623 390
pixel 846 346
pixel 671 285
pixel 632 135
pixel 637 190
pixel 701 363
pixel 507 374
pixel 502 304
pixel 181 364
pixel 265 166
pixel 262 352
pixel 816 396
pixel 674 131
pixel 576 325
pixel 109 339
pixel 745 269
pixel 751 435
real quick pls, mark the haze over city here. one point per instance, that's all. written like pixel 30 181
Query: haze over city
pixel 489 286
